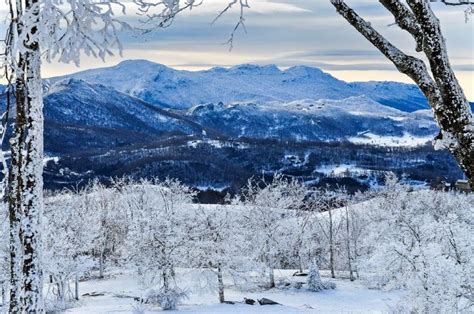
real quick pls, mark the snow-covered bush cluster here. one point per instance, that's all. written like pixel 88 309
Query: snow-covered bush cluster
pixel 417 241
pixel 422 242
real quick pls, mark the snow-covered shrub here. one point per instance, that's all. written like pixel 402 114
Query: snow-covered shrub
pixel 314 281
pixel 57 306
pixel 109 208
pixel 168 299
pixel 70 230
pixel 138 308
pixel 422 241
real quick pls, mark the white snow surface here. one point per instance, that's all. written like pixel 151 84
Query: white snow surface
pixel 407 140
pixel 348 297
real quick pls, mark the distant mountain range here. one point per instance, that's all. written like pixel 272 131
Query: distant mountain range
pixel 144 119
pixel 167 87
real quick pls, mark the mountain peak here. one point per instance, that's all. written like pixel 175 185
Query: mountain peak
pixel 255 68
pixel 304 70
pixel 138 62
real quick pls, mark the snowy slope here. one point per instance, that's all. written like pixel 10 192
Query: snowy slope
pixel 308 120
pixel 76 102
pixel 161 85
pixel 405 97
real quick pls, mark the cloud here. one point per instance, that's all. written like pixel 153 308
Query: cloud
pixel 285 32
pixel 213 7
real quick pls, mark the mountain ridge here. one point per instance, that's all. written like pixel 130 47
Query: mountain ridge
pixel 181 89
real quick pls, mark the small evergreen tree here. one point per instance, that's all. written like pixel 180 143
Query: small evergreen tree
pixel 315 283
pixel 314 279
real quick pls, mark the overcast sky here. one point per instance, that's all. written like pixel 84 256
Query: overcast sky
pixel 286 33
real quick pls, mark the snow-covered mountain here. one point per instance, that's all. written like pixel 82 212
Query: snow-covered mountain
pixel 161 85
pixel 76 102
pixel 222 126
pixel 308 120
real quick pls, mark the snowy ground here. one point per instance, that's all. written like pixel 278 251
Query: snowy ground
pixel 348 297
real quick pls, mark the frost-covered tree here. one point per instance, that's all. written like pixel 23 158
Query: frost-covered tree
pixel 59 30
pixel 438 82
pixel 160 235
pixel 300 243
pixel 314 281
pixel 53 29
pixel 421 241
pixel 264 211
pixel 323 203
pixel 218 247
pixel 70 230
pixel 110 220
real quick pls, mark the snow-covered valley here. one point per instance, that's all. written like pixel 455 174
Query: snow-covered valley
pixel 143 119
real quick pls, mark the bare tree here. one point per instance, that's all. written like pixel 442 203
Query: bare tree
pixel 438 82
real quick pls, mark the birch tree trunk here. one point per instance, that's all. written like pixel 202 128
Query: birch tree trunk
pixel 220 283
pixel 445 96
pixel 348 246
pixel 76 287
pixel 32 197
pixel 25 195
pixel 331 244
pixel 16 187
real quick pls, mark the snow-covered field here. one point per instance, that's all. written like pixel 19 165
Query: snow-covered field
pixel 348 297
pixel 407 140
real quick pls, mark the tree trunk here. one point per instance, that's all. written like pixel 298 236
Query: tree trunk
pixel 453 113
pixel 25 194
pixel 220 283
pixel 348 247
pixel 445 96
pixel 17 145
pixel 32 198
pixel 101 265
pixel 272 276
pixel 76 287
pixel 331 244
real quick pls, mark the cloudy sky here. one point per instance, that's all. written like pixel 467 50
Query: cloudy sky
pixel 286 33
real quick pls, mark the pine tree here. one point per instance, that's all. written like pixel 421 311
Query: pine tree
pixel 315 283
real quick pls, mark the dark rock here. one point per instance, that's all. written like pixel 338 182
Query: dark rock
pixel 265 301
pixel 249 301
pixel 93 294
pixel 300 274
pixel 229 302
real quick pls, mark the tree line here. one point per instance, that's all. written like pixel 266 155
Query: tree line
pixel 395 238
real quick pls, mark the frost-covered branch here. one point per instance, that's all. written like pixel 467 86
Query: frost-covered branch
pixel 446 97
pixel 159 14
pixel 454 2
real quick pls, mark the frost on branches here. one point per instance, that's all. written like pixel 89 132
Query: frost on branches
pixel 422 241
pixel 417 241
pixel 264 209
pixel 61 30
pixel 438 82
pixel 158 237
